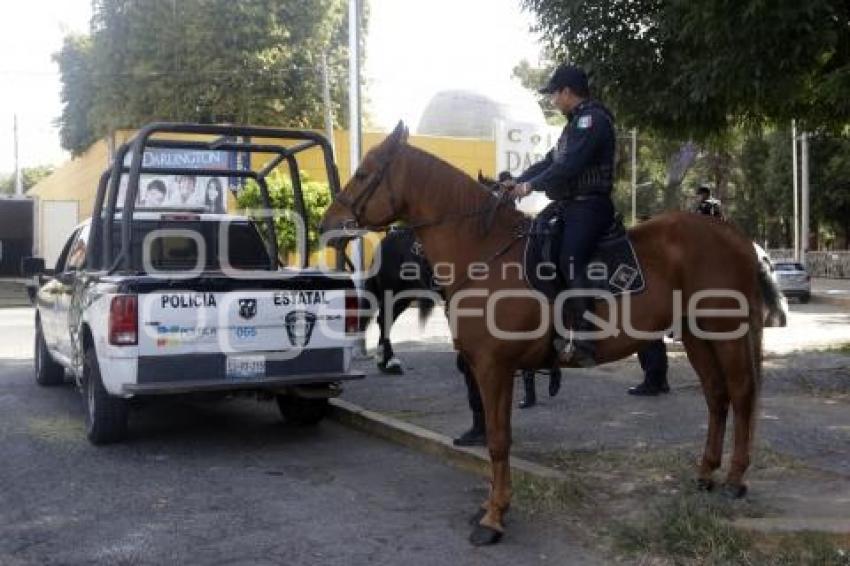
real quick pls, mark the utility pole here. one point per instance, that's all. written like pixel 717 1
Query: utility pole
pixel 804 197
pixel 796 190
pixel 634 176
pixel 326 101
pixel 354 132
pixel 19 183
pixel 354 128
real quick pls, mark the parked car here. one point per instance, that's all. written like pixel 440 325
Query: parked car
pixel 793 280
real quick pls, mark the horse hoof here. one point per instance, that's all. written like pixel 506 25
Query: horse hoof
pixel 392 367
pixel 554 385
pixel 705 484
pixel 733 491
pixel 476 518
pixel 484 536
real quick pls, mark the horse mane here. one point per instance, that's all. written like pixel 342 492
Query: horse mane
pixel 453 189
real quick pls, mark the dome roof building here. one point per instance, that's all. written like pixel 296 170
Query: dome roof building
pixel 470 114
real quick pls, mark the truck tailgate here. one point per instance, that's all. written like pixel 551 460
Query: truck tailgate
pixel 286 322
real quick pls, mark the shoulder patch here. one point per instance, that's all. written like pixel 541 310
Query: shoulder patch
pixel 585 122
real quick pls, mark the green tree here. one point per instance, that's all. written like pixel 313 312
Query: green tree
pixel 694 69
pixel 317 198
pixel 533 78
pixel 830 190
pixel 77 94
pixel 253 61
pixel 29 177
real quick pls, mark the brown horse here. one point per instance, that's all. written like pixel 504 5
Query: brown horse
pixel 448 209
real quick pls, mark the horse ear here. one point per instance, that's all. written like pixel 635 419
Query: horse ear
pixel 398 136
pixel 480 177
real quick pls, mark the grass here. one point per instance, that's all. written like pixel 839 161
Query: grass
pixel 535 495
pixel 644 507
pixel 841 349
pixel 690 528
pixel 694 529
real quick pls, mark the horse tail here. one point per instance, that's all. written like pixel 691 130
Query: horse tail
pixel 372 286
pixel 426 304
pixel 774 300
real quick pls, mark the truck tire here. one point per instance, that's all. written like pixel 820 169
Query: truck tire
pixel 106 416
pixel 47 372
pixel 302 411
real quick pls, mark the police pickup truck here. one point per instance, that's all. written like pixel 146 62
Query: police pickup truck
pixel 158 301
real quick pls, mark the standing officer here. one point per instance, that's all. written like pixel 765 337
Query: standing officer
pixel 707 205
pixel 579 175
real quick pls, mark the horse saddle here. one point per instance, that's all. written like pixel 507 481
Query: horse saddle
pixel 614 267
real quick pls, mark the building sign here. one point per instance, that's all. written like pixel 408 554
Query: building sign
pixel 184 190
pixel 518 146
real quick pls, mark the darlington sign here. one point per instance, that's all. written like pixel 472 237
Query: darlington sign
pixel 518 146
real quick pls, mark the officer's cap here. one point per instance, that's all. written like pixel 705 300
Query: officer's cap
pixel 566 76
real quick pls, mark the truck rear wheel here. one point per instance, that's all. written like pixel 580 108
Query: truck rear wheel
pixel 106 416
pixel 47 371
pixel 301 410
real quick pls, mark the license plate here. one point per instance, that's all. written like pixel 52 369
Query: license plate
pixel 245 367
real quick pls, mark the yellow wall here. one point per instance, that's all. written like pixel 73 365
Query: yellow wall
pixel 76 180
pixel 469 155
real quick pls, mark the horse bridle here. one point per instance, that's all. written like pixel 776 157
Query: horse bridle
pixel 357 205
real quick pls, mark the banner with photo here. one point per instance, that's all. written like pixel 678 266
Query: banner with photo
pixel 183 190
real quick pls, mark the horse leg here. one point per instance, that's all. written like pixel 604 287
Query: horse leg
pixel 389 363
pixel 384 346
pixel 738 359
pixel 496 385
pixel 702 358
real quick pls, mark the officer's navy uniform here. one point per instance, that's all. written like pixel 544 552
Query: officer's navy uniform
pixel 709 207
pixel 579 175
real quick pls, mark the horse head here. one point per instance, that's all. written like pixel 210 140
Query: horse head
pixel 370 199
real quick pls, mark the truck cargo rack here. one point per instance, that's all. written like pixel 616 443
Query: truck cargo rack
pixel 285 146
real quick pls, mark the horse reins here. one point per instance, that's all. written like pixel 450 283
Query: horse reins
pixel 357 205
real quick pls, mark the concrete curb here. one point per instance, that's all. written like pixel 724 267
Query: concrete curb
pixel 829 525
pixel 835 300
pixel 472 459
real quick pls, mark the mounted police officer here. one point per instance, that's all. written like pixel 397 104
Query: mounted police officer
pixel 707 205
pixel 579 174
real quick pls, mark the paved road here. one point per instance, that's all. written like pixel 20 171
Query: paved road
pixel 228 483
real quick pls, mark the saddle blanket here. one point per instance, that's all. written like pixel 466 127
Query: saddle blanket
pixel 614 266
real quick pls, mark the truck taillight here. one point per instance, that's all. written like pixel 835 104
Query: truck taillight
pixel 124 321
pixel 352 307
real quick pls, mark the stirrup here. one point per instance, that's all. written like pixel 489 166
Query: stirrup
pixel 570 355
pixel 564 348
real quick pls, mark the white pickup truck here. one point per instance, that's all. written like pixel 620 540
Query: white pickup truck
pixel 197 306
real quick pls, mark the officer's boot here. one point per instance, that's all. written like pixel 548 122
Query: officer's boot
pixel 530 397
pixel 578 352
pixel 652 385
pixel 554 381
pixel 475 436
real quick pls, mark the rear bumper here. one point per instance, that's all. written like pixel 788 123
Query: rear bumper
pixel 795 290
pixel 267 383
pixel 159 375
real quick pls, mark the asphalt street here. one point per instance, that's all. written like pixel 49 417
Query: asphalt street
pixel 227 483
